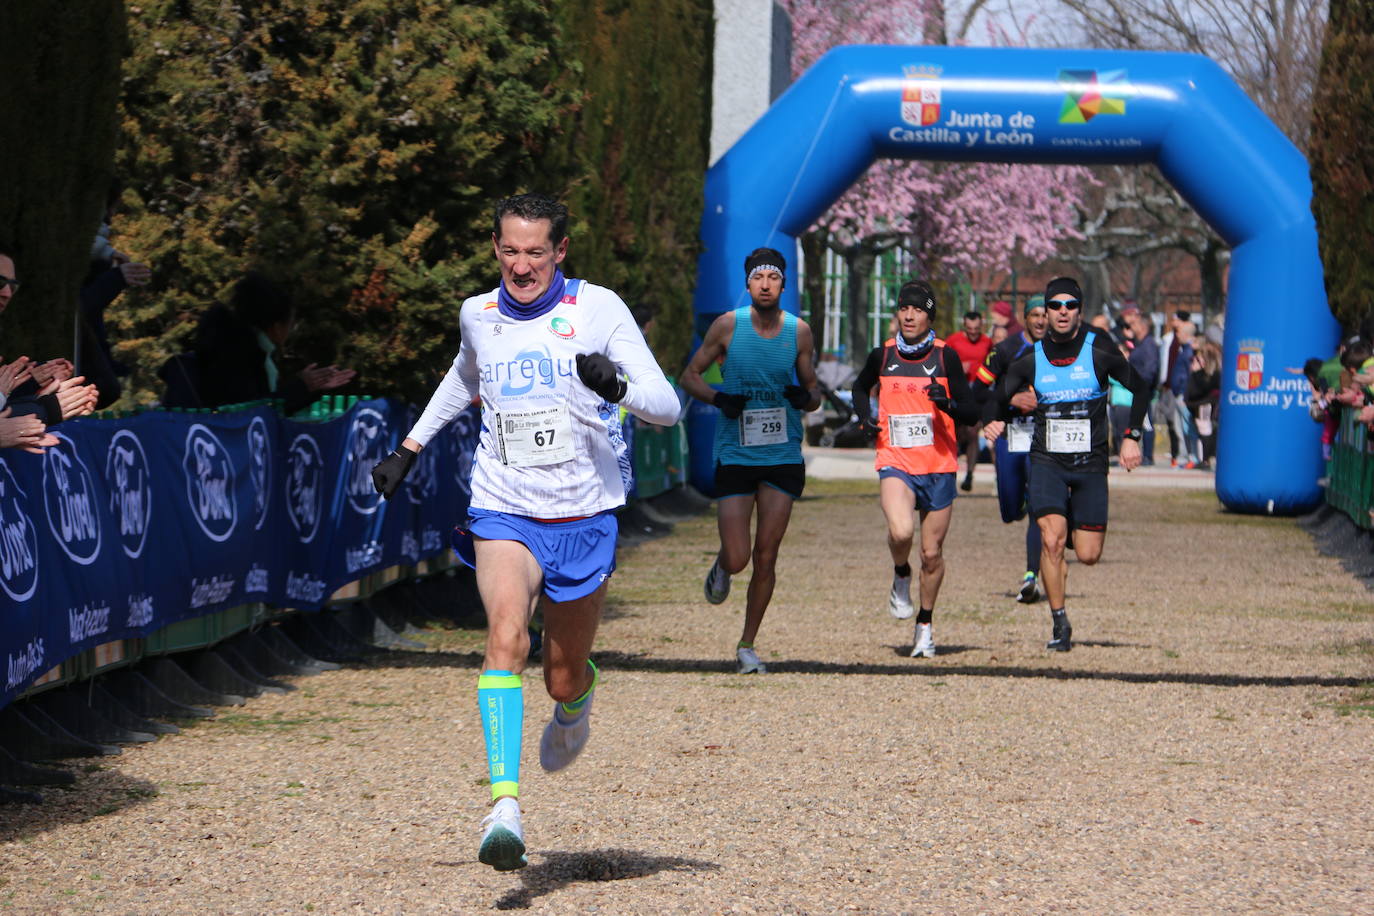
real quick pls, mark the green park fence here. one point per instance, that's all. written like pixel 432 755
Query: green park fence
pixel 1350 486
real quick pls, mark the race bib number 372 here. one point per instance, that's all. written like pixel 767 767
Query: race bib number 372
pixel 1068 436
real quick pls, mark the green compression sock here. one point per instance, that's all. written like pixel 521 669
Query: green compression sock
pixel 572 709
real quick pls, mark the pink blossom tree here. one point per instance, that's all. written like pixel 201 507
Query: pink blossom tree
pixel 954 219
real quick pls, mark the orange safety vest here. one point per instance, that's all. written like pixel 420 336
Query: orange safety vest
pixel 914 435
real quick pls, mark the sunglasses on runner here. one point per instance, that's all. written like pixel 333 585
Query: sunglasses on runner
pixel 1055 305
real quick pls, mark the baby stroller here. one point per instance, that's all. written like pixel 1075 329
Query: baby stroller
pixel 841 427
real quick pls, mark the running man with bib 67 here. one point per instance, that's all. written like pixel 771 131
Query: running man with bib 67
pixel 553 361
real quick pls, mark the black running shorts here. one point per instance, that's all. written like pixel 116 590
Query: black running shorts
pixel 745 479
pixel 1079 495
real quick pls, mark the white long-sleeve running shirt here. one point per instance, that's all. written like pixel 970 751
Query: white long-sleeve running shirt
pixel 550 447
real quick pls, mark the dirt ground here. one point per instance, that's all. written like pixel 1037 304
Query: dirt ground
pixel 1205 748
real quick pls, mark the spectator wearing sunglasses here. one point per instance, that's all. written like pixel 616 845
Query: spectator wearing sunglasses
pixel 1068 371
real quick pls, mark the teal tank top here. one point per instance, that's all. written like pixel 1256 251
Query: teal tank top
pixel 770 430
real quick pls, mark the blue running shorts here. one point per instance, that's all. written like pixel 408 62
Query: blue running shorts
pixel 576 556
pixel 933 491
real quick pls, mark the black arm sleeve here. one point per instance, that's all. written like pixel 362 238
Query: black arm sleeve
pixel 868 377
pixel 963 406
pixel 44 407
pixel 1017 377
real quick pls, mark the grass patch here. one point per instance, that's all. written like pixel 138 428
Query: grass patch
pixel 247 723
pixel 1360 702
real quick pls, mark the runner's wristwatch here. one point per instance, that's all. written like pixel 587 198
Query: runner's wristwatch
pixel 1132 434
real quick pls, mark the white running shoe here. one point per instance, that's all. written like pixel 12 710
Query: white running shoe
pixel 899 600
pixel 925 645
pixel 749 661
pixel 503 842
pixel 717 586
pixel 563 741
pixel 1029 592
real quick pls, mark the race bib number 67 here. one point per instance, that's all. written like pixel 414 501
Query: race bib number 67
pixel 534 438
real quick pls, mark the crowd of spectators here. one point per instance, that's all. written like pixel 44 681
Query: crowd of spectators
pixel 237 355
pixel 1343 385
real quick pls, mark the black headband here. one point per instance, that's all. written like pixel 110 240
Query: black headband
pixel 918 294
pixel 1060 285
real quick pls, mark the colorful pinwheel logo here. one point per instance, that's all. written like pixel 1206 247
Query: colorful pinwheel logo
pixel 1088 94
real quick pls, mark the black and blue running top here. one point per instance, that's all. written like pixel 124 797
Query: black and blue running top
pixel 1070 382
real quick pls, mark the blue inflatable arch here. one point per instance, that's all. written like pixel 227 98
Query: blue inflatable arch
pixel 1179 111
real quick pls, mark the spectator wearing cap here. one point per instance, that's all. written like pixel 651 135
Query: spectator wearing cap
pixel 972 347
pixel 1004 316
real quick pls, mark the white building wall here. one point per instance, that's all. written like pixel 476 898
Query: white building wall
pixel 753 65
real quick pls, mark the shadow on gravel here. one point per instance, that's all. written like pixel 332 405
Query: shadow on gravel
pixel 560 869
pixel 100 789
pixel 922 668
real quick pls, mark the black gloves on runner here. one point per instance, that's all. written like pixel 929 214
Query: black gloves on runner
pixel 391 470
pixel 870 426
pixel 797 396
pixel 939 396
pixel 599 374
pixel 732 405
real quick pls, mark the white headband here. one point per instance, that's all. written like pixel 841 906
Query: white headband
pixel 762 267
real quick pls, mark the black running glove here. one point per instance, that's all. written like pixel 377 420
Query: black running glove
pixel 797 396
pixel 939 396
pixel 599 374
pixel 391 470
pixel 732 405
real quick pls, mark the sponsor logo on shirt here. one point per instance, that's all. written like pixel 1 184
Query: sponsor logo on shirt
pixel 562 327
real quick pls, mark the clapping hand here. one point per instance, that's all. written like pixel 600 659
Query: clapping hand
pixel 26 432
pixel 53 370
pixel 325 378
pixel 14 374
pixel 73 398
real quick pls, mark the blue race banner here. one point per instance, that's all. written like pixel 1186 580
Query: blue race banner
pixel 127 526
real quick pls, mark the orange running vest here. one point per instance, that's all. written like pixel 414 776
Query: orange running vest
pixel 902 394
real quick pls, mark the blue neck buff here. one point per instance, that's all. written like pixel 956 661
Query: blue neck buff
pixel 919 348
pixel 544 304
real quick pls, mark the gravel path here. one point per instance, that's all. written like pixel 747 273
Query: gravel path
pixel 1206 748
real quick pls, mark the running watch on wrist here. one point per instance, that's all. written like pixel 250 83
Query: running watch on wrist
pixel 1132 434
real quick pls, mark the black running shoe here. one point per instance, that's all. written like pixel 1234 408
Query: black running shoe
pixel 968 482
pixel 1063 635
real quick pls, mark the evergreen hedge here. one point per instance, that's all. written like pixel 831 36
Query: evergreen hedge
pixel 1342 157
pixel 57 131
pixel 641 141
pixel 354 148
pixel 351 148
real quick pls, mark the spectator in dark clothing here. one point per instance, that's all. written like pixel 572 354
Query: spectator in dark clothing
pixel 1203 397
pixel 238 345
pixel 95 359
pixel 45 390
pixel 1144 359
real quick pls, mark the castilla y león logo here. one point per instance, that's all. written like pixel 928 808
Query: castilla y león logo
pixel 921 94
pixel 131 494
pixel 1250 365
pixel 209 483
pixel 69 498
pixel 1088 94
